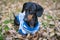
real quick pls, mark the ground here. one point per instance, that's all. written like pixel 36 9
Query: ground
pixel 50 20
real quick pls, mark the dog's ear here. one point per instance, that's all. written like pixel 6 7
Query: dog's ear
pixel 39 10
pixel 24 5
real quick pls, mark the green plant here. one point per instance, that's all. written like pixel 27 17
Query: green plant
pixel 6 28
pixel 1 37
pixel 6 21
pixel 51 25
pixel 44 24
pixel 49 16
pixel 0 29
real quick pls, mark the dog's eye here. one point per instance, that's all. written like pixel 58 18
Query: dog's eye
pixel 30 10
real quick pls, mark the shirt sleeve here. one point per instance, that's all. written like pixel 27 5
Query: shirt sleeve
pixel 17 19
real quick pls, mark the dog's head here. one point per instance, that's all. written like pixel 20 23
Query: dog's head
pixel 32 11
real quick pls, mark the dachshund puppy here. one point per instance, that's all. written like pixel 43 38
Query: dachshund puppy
pixel 27 20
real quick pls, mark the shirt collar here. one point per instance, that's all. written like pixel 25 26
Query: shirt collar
pixel 29 28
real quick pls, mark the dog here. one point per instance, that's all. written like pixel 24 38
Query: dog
pixel 27 20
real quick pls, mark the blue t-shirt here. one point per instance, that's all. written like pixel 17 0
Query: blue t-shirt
pixel 23 27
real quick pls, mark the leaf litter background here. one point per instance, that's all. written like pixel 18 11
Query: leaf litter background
pixel 50 20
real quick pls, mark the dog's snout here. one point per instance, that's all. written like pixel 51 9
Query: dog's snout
pixel 30 17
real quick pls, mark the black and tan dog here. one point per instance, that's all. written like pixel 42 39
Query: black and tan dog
pixel 29 13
